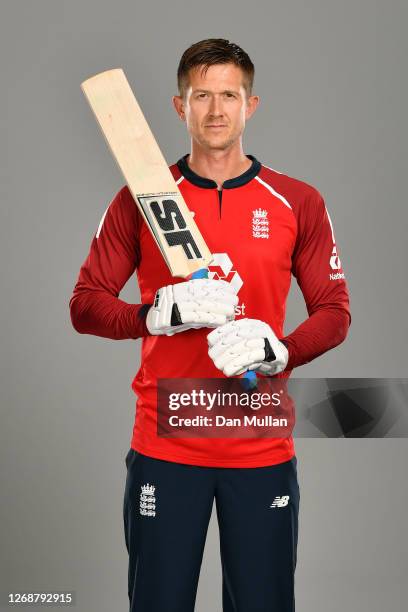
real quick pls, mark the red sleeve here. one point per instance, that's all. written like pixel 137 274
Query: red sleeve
pixel 113 257
pixel 317 268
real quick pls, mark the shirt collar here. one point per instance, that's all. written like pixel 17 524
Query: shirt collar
pixel 207 183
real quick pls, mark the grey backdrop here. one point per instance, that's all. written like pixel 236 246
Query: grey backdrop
pixel 332 81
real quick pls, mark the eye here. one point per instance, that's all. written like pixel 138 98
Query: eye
pixel 228 94
pixel 202 95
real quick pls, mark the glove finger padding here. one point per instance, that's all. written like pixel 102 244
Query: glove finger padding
pixel 235 346
pixel 238 357
pixel 206 306
pixel 191 305
pixel 202 318
pixel 202 289
pixel 243 328
pixel 247 344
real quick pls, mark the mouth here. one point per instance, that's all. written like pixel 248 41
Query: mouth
pixel 216 126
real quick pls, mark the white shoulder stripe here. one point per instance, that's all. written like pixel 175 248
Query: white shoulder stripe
pixel 331 225
pixel 179 180
pixel 101 223
pixel 275 193
pixel 273 169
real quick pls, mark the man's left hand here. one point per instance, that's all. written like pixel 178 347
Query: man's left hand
pixel 247 344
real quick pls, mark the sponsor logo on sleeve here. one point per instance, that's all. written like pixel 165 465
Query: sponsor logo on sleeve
pixel 335 264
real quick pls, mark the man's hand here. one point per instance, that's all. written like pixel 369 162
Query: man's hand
pixel 247 344
pixel 190 305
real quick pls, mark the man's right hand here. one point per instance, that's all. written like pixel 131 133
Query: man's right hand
pixel 192 304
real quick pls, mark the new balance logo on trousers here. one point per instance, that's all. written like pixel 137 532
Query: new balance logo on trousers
pixel 280 502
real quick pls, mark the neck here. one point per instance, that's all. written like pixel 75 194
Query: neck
pixel 218 165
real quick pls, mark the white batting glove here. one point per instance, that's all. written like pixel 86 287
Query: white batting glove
pixel 196 303
pixel 247 344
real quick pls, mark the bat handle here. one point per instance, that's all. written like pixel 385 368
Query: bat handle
pixel 201 273
pixel 249 379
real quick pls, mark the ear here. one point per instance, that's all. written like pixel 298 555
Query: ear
pixel 178 104
pixel 252 105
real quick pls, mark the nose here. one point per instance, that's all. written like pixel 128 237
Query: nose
pixel 215 106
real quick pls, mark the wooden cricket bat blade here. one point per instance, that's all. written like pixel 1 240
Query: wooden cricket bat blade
pixel 146 172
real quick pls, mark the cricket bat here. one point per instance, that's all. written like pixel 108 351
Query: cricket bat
pixel 146 173
pixel 148 177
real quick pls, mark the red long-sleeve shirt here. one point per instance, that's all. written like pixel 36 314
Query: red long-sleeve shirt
pixel 261 228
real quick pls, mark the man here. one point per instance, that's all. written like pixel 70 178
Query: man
pixel 172 482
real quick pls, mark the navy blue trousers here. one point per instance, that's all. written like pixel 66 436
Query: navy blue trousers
pixel 166 510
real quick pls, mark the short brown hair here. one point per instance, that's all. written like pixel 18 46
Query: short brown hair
pixel 212 51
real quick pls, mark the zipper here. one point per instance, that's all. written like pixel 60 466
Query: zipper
pixel 219 200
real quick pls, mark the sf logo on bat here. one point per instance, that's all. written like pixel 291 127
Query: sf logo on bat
pixel 164 212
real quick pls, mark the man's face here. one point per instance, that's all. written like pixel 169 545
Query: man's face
pixel 216 107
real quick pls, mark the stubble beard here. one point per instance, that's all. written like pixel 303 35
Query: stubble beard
pixel 210 145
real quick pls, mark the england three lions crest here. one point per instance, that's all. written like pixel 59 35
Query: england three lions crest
pixel 260 223
pixel 148 500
